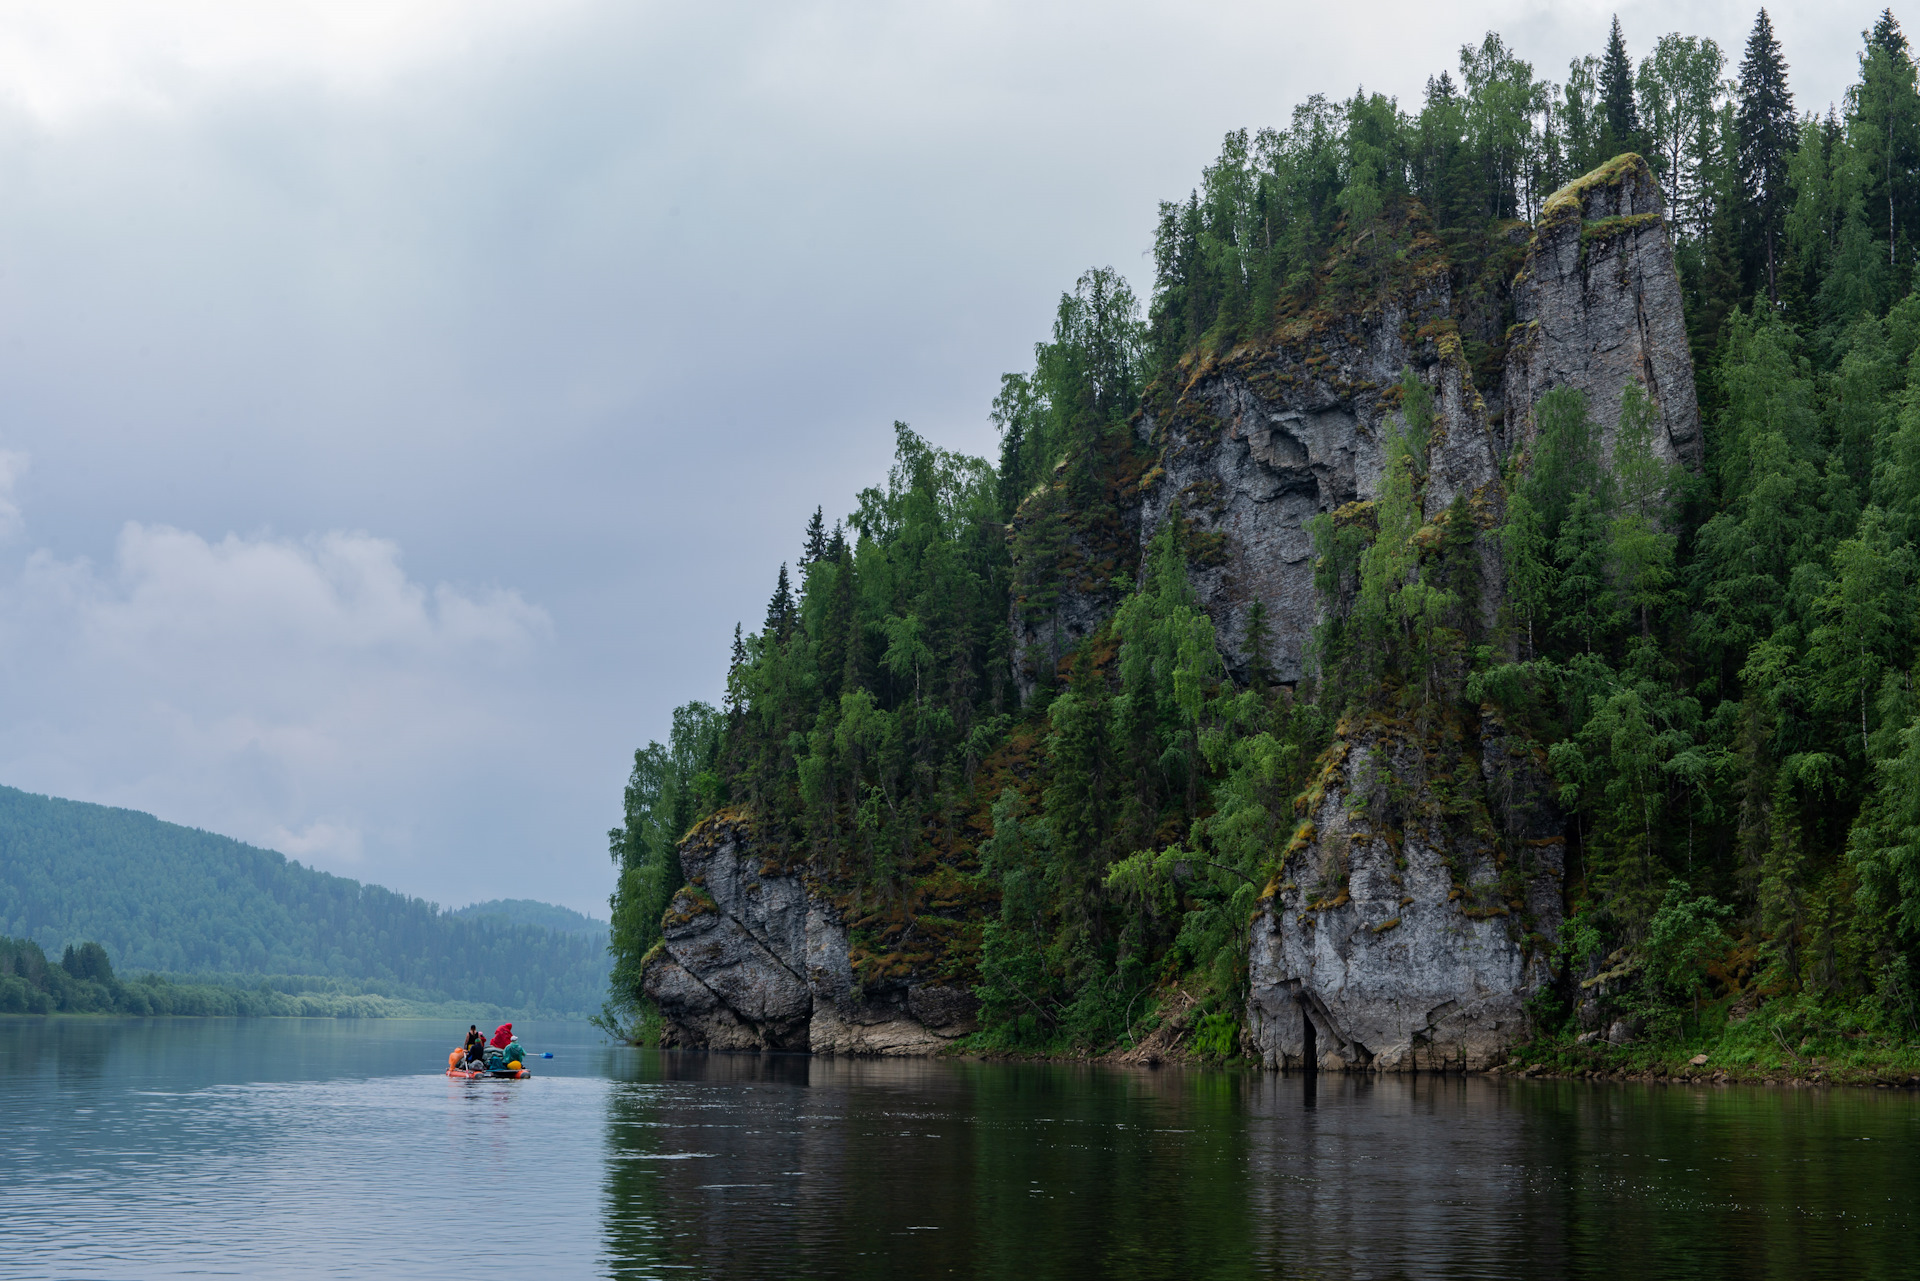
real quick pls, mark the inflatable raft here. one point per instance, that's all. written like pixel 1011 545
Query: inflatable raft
pixel 514 1073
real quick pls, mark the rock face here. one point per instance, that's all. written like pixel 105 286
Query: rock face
pixel 753 958
pixel 1398 937
pixel 1599 308
pixel 1261 442
pixel 1405 946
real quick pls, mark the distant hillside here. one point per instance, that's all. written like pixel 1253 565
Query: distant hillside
pixel 179 900
pixel 526 911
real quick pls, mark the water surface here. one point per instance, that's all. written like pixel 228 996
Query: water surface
pixel 315 1148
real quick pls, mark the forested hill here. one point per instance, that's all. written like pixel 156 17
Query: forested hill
pixel 175 899
pixel 526 911
pixel 1326 571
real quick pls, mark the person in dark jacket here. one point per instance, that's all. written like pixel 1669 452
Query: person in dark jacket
pixel 475 1053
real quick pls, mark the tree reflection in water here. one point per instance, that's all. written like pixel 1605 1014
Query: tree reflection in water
pixel 784 1165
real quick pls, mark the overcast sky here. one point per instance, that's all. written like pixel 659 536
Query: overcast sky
pixel 400 400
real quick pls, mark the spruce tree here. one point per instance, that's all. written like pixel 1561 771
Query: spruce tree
pixel 1616 92
pixel 1768 133
pixel 780 608
pixel 816 537
pixel 736 666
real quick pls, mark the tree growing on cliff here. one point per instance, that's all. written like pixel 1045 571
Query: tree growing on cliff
pixel 670 785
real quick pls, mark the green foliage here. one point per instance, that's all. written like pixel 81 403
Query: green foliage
pixel 1718 667
pixel 171 899
pixel 667 791
pixel 1084 384
pixel 1683 937
pixel 1402 620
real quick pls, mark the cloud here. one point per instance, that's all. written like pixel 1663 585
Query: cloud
pixel 13 465
pixel 315 600
pixel 306 694
pixel 66 58
pixel 597 298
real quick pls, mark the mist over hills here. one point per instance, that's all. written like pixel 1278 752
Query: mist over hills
pixel 167 898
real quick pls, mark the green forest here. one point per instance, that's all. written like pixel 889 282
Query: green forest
pixel 203 909
pixel 526 911
pixel 1719 665
pixel 82 981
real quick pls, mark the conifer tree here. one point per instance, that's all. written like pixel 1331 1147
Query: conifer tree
pixel 1013 413
pixel 816 550
pixel 780 608
pixel 1768 134
pixel 736 666
pixel 1616 92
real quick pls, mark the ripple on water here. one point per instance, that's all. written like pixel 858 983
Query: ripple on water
pixel 292 1149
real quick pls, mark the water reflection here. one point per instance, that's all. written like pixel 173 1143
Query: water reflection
pixel 761 1165
pixel 737 1165
pixel 320 1149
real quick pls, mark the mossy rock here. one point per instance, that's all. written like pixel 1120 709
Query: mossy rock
pixel 1571 200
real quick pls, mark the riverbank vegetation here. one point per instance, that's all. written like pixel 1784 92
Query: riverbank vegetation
pixel 83 981
pixel 1719 665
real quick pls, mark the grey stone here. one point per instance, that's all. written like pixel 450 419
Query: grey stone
pixel 1268 439
pixel 1414 963
pixel 753 958
pixel 1398 952
pixel 1599 308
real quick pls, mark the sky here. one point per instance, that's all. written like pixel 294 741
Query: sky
pixel 401 400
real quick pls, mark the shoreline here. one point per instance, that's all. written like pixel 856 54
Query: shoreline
pixel 1851 1076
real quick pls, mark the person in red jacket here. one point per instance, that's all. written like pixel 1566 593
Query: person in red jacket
pixel 501 1035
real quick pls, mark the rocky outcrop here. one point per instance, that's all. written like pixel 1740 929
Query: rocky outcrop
pixel 1409 940
pixel 1261 442
pixel 1410 923
pixel 1599 308
pixel 1419 900
pixel 754 957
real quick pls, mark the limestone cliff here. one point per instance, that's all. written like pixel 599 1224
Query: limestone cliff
pixel 1415 908
pixel 1401 941
pixel 755 957
pixel 1261 441
pixel 1409 925
pixel 1598 307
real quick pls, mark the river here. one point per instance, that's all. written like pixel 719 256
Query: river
pixel 312 1148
